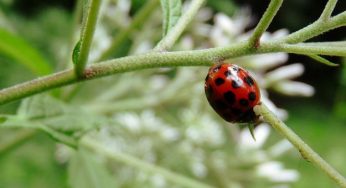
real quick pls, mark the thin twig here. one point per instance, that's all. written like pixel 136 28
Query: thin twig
pixel 302 147
pixel 328 10
pixel 87 36
pixel 265 21
pixel 173 35
pixel 142 165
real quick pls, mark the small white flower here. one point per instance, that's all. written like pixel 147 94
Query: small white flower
pixel 280 148
pixel 275 172
pixel 199 169
pixel 263 62
pixel 284 73
pixel 294 88
pixel 246 142
pixel 158 180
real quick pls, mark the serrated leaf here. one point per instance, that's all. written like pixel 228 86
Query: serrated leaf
pixel 85 171
pixel 76 51
pixel 171 13
pixel 51 112
pixel 22 52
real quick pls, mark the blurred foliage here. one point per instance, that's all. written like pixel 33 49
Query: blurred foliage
pixel 159 116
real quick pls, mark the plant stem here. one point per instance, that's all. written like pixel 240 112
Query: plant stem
pixel 126 64
pixel 328 10
pixel 137 21
pixel 265 21
pixel 314 49
pixel 302 147
pixel 173 35
pixel 87 35
pixel 142 165
pixel 316 28
pixel 156 60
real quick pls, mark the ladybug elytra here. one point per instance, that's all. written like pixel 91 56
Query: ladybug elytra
pixel 232 92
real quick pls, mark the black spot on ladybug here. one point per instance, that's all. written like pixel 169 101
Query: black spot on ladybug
pixel 236 111
pixel 230 97
pixel 235 84
pixel 207 78
pixel 219 104
pixel 249 81
pixel 244 102
pixel 252 96
pixel 219 81
pixel 217 68
pixel 227 73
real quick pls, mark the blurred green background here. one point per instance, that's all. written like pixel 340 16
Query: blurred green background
pixel 319 120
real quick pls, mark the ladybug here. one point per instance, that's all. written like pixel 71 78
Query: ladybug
pixel 232 92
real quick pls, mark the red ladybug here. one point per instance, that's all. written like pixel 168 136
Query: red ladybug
pixel 232 93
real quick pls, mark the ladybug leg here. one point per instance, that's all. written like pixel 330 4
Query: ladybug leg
pixel 251 127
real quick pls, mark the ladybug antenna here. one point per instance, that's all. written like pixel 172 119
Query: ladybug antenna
pixel 251 127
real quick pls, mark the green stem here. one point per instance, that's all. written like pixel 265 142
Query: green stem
pixel 145 166
pixel 316 28
pixel 302 147
pixel 87 35
pixel 328 10
pixel 61 137
pixel 313 49
pixel 20 137
pixel 137 21
pixel 156 60
pixel 172 36
pixel 265 21
pixel 126 64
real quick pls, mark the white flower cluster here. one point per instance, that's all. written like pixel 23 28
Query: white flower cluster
pixel 167 121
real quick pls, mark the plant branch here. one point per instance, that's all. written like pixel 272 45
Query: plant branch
pixel 302 147
pixel 142 165
pixel 157 60
pixel 173 35
pixel 87 35
pixel 137 21
pixel 316 28
pixel 313 49
pixel 125 64
pixel 265 21
pixel 328 10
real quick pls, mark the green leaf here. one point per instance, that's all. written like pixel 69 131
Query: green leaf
pixel 48 111
pixel 76 51
pixel 322 60
pixel 85 171
pixel 22 52
pixel 171 13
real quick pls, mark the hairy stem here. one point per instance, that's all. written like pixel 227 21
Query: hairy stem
pixel 142 165
pixel 328 10
pixel 173 35
pixel 316 28
pixel 87 35
pixel 156 60
pixel 308 153
pixel 265 21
